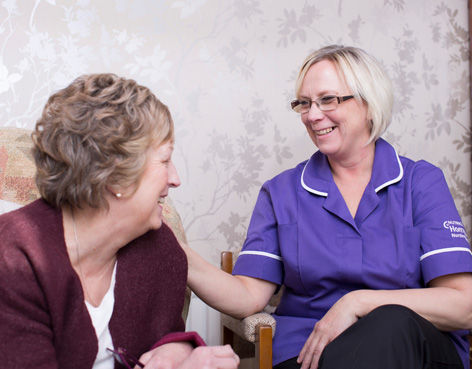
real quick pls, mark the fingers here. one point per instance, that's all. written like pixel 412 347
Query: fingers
pixel 223 351
pixel 225 357
pixel 305 347
pixel 312 349
pixel 212 357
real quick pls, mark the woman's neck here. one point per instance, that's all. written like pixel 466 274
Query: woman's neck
pixel 92 250
pixel 355 166
pixel 90 238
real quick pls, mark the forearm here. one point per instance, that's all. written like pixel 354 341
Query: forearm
pixel 448 309
pixel 233 295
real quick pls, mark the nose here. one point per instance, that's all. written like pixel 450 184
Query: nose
pixel 173 179
pixel 314 114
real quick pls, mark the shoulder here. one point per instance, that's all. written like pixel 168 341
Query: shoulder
pixel 33 261
pixel 420 172
pixel 29 226
pixel 289 177
pixel 155 251
pixel 29 217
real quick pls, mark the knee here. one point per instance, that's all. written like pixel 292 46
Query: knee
pixel 392 312
pixel 393 320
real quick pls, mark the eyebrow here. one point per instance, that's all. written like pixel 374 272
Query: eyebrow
pixel 323 93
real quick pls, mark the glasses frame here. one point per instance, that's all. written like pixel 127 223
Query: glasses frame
pixel 125 358
pixel 296 104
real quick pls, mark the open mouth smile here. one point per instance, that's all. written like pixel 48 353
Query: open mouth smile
pixel 325 131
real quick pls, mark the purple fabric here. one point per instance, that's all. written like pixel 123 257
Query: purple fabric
pixel 406 232
pixel 43 318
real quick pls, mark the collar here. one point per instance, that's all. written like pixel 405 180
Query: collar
pixel 387 169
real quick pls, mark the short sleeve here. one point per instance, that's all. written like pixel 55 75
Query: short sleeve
pixel 444 245
pixel 260 256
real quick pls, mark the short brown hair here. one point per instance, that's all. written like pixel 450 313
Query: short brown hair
pixel 95 133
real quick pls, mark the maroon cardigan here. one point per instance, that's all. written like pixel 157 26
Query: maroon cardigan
pixel 44 322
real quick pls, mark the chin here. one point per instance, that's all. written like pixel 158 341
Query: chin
pixel 328 149
pixel 156 225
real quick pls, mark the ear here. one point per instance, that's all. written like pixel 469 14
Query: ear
pixel 115 192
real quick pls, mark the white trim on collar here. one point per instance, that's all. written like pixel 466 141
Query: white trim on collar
pixel 388 183
pixel 395 180
pixel 309 189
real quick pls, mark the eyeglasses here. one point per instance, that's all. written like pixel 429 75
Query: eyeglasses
pixel 125 358
pixel 324 103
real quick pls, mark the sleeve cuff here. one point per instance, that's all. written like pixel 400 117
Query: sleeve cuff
pixel 191 337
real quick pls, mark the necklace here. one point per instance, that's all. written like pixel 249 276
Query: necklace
pixel 84 282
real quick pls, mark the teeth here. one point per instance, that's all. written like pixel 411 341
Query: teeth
pixel 324 131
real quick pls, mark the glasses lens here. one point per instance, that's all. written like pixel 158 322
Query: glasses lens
pixel 301 106
pixel 327 103
pixel 124 358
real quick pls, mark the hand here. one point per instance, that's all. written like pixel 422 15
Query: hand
pixel 168 356
pixel 211 357
pixel 340 317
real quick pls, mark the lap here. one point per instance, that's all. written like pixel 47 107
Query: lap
pixel 390 337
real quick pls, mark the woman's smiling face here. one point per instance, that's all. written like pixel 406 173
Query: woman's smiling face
pixel 159 175
pixel 340 132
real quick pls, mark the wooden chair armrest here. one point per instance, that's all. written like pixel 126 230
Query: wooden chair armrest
pixel 247 328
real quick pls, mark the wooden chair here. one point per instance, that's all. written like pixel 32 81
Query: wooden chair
pixel 17 183
pixel 257 329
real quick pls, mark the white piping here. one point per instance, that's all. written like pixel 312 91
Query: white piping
pixel 261 253
pixel 319 193
pixel 395 180
pixel 447 249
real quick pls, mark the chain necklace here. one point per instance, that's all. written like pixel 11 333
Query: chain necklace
pixel 84 282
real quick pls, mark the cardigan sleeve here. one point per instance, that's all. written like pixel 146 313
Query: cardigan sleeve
pixel 26 337
pixel 191 337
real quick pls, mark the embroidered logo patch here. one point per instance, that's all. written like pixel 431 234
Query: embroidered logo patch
pixel 456 228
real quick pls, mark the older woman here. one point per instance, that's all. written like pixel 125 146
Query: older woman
pixel 368 244
pixel 90 271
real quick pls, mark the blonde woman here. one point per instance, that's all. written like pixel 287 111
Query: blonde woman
pixel 368 244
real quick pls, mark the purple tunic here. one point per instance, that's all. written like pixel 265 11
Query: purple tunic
pixel 406 232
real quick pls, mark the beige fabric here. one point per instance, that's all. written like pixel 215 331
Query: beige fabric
pixel 247 327
pixel 16 166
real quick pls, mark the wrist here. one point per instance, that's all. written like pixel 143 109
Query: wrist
pixel 359 301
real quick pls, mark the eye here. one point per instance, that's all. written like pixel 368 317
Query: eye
pixel 305 103
pixel 328 99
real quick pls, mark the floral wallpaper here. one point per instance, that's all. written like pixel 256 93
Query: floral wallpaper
pixel 226 69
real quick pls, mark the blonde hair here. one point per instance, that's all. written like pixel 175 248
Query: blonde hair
pixel 95 133
pixel 364 76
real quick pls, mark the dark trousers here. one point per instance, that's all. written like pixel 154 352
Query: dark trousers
pixel 390 337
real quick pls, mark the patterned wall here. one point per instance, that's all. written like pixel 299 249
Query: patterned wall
pixel 226 68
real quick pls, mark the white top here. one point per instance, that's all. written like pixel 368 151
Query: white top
pixel 101 316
